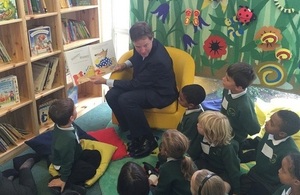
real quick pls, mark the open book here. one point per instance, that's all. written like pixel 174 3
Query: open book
pixel 87 61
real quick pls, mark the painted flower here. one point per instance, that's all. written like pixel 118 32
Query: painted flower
pixel 188 41
pixel 162 12
pixel 215 46
pixel 201 24
pixel 267 38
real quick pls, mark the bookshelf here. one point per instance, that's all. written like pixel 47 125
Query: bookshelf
pixel 14 36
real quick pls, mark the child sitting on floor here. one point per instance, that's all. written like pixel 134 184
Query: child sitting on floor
pixel 238 106
pixel 289 175
pixel 273 147
pixel 205 182
pixel 219 154
pixel 175 174
pixel 190 97
pixel 74 164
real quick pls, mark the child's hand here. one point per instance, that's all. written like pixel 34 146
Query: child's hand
pixel 57 183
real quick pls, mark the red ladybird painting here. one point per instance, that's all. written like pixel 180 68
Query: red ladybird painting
pixel 245 15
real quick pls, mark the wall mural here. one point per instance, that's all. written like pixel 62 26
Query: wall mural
pixel 217 33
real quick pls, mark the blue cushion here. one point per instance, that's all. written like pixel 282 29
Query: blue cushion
pixel 214 104
pixel 41 144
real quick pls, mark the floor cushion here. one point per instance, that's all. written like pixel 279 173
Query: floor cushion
pixel 106 151
pixel 110 136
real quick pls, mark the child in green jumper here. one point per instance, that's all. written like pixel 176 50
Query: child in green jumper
pixel 191 97
pixel 74 164
pixel 218 152
pixel 289 175
pixel 237 104
pixel 175 174
pixel 274 146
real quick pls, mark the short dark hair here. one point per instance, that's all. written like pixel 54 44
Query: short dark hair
pixel 61 110
pixel 194 93
pixel 140 30
pixel 295 169
pixel 290 122
pixel 133 180
pixel 242 74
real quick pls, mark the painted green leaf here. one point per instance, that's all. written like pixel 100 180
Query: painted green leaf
pixel 256 55
pixel 205 61
pixel 249 47
pixel 270 56
pixel 218 21
pixel 219 64
pixel 136 13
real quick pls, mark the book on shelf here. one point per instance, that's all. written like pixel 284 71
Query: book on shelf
pixel 83 2
pixel 9 135
pixel 40 40
pixel 90 60
pixel 3 145
pixel 73 30
pixel 8 10
pixel 3 53
pixel 9 91
pixel 43 112
pixel 11 139
pixel 52 66
pixel 40 71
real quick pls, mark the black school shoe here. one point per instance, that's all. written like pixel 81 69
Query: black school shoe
pixel 142 149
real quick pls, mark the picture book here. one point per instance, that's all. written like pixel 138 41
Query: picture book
pixel 40 40
pixel 96 59
pixel 53 63
pixel 9 91
pixel 8 10
pixel 43 112
pixel 103 57
pixel 39 71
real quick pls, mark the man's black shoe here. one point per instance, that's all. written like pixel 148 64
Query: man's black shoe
pixel 134 144
pixel 144 150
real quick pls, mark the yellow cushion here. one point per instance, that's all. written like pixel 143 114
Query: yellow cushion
pixel 168 110
pixel 106 151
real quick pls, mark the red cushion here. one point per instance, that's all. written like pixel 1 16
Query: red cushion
pixel 110 136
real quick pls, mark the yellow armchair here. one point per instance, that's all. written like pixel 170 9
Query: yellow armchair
pixel 184 69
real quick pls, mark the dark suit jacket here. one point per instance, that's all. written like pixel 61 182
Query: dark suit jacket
pixel 154 73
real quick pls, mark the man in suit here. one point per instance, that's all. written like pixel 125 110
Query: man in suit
pixel 153 86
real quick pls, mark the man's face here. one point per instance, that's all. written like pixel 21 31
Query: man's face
pixel 143 46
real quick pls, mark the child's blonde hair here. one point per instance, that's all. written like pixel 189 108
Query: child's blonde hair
pixel 216 127
pixel 175 144
pixel 206 182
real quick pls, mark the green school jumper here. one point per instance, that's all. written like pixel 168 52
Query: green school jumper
pixel 171 180
pixel 188 126
pixel 223 160
pixel 268 163
pixel 241 114
pixel 66 149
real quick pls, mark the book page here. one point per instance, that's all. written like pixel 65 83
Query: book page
pixel 103 57
pixel 79 64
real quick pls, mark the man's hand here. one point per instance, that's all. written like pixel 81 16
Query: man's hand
pixel 57 183
pixel 119 67
pixel 98 80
